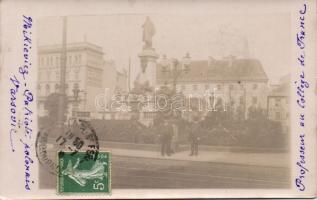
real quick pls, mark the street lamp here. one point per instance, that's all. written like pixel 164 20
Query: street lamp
pixel 76 92
pixel 175 68
pixel 243 87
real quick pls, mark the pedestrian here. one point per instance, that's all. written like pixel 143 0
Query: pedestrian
pixel 175 138
pixel 166 138
pixel 194 136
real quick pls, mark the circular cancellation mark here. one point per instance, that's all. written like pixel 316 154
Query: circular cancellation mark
pixel 53 141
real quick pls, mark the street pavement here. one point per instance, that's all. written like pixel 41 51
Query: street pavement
pixel 139 169
pixel 241 158
pixel 141 173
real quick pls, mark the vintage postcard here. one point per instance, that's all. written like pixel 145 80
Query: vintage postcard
pixel 158 99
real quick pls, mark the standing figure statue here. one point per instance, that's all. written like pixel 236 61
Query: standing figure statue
pixel 148 32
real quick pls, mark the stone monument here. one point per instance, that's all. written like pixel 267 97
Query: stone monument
pixel 146 79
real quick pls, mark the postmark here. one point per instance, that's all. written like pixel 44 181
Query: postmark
pixel 78 136
pixel 79 175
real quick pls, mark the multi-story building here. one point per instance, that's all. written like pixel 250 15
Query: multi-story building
pixel 278 103
pixel 238 83
pixel 86 73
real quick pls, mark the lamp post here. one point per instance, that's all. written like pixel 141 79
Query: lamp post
pixel 76 92
pixel 244 88
pixel 62 101
pixel 175 68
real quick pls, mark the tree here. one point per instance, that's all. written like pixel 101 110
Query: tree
pixel 56 103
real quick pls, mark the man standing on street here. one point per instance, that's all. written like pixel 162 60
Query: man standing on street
pixel 166 138
pixel 194 136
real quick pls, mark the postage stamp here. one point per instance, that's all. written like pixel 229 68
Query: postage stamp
pixel 79 175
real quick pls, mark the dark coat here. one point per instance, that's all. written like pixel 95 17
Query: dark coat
pixel 166 132
pixel 194 131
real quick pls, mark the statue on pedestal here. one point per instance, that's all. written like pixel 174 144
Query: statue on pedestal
pixel 146 79
pixel 148 33
pixel 142 83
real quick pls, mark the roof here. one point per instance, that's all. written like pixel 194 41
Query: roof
pixel 79 46
pixel 282 89
pixel 279 91
pixel 219 70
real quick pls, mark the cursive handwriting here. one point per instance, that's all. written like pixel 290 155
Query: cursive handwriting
pixel 19 88
pixel 27 162
pixel 301 164
pixel 15 85
pixel 27 46
pixel 301 86
pixel 28 99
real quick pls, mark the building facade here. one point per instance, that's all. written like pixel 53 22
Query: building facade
pixel 86 72
pixel 237 83
pixel 278 103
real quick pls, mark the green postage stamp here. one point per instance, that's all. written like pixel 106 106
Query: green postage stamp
pixel 79 175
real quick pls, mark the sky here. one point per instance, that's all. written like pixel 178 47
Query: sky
pixel 266 37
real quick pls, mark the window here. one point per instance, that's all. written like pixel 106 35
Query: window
pixel 277 115
pixel 76 85
pixel 277 102
pixel 40 76
pixel 70 60
pixel 164 69
pixel 57 75
pixel 255 86
pixel 39 89
pixel 66 88
pixel 47 89
pixel 241 100
pixel 194 87
pixel 183 87
pixel 76 75
pixel 48 75
pixel 57 61
pixel 56 87
pixel 67 75
pixel 241 86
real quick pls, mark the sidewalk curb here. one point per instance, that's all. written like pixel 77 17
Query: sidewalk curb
pixel 154 147
pixel 200 161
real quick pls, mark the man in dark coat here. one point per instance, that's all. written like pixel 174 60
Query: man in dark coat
pixel 194 136
pixel 166 138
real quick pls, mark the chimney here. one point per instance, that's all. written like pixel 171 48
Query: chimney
pixel 186 61
pixel 230 60
pixel 211 60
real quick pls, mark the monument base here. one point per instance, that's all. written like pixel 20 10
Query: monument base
pixel 148 58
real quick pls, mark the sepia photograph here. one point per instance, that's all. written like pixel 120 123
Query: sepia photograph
pixel 137 99
pixel 187 101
